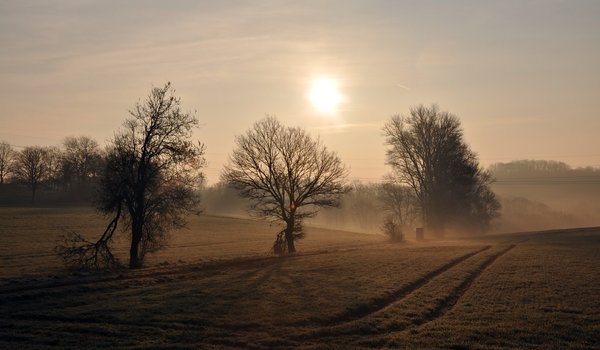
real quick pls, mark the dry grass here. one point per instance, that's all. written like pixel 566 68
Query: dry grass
pixel 524 291
pixel 28 237
pixel 545 293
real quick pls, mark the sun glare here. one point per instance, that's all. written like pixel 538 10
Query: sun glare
pixel 325 96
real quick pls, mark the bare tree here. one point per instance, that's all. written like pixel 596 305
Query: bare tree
pixel 7 158
pixel 31 168
pixel 401 207
pixel 151 181
pixel 428 153
pixel 286 174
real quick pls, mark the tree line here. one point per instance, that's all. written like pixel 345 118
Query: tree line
pixel 72 168
pixel 148 177
pixel 527 170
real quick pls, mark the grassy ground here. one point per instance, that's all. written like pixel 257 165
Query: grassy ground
pixel 28 237
pixel 519 291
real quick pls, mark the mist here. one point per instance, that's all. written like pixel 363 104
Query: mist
pixel 545 194
pixel 534 194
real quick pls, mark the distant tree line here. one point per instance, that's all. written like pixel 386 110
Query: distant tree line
pixel 543 194
pixel 72 169
pixel 543 170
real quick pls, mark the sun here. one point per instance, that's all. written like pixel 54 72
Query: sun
pixel 325 96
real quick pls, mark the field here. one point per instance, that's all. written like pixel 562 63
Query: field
pixel 216 286
pixel 28 237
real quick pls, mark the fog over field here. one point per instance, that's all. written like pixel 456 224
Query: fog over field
pixel 535 195
pixel 299 174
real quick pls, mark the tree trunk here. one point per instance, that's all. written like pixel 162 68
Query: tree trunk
pixel 136 236
pixel 289 236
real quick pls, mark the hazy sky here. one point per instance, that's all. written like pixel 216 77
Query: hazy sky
pixel 523 76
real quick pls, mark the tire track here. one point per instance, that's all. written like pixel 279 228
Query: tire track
pixel 379 304
pixel 443 307
pixel 450 301
pixel 378 335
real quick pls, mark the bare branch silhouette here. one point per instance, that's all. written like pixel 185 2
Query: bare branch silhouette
pixel 151 179
pixel 286 175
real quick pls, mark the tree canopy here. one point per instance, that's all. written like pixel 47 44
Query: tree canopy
pixel 428 152
pixel 286 174
pixel 150 182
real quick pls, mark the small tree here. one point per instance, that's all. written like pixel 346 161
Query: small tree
pixel 400 205
pixel 151 181
pixel 32 168
pixel 7 158
pixel 287 176
pixel 428 153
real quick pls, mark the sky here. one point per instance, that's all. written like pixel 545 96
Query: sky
pixel 522 76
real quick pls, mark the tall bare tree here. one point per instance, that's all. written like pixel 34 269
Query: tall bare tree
pixel 286 174
pixel 151 181
pixel 7 158
pixel 32 168
pixel 428 153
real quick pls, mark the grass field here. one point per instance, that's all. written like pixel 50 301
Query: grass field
pixel 344 290
pixel 28 237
